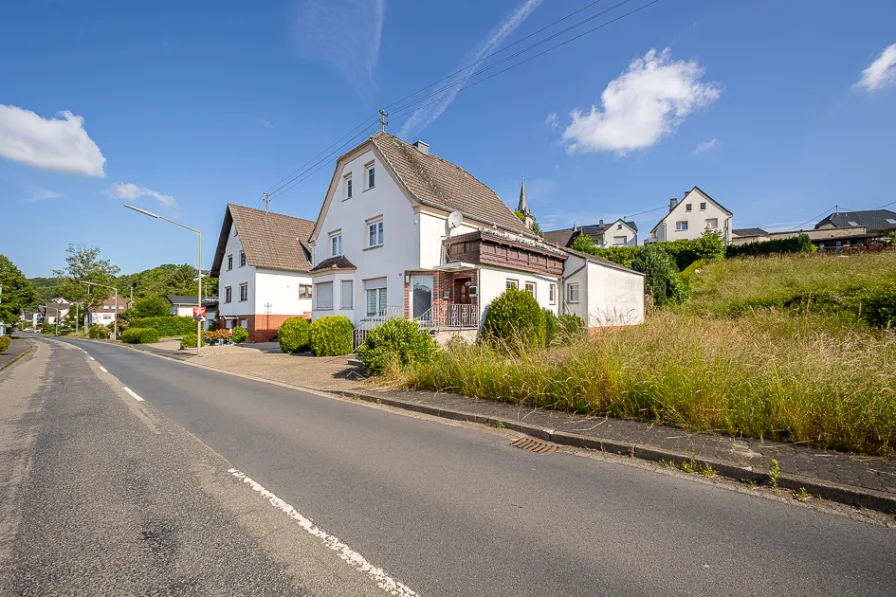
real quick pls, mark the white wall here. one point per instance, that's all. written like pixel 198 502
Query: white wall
pixel 614 297
pixel 696 219
pixel 101 317
pixel 610 234
pixel 433 231
pixel 575 272
pixel 234 278
pixel 281 290
pixel 336 280
pixel 493 283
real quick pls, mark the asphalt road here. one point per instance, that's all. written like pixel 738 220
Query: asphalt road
pixel 117 496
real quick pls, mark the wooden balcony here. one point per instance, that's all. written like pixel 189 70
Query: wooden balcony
pixel 500 249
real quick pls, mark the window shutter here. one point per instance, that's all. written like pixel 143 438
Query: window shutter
pixel 324 294
pixel 371 301
pixel 347 290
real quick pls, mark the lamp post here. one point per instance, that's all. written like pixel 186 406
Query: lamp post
pixel 199 269
pixel 114 319
pixel 57 317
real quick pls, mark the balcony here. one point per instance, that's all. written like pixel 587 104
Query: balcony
pixel 450 316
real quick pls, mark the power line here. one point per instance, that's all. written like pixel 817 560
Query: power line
pixel 641 213
pixel 810 220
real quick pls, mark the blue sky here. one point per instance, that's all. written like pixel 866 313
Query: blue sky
pixel 778 110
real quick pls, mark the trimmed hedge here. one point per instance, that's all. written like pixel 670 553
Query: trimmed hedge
pixel 397 340
pixel 188 341
pixel 239 335
pixel 294 335
pixel 331 336
pixel 796 244
pixel 140 336
pixel 708 247
pixel 4 343
pixel 167 326
pixel 515 318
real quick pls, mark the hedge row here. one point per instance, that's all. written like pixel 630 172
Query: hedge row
pixel 796 244
pixel 140 336
pixel 683 252
pixel 169 325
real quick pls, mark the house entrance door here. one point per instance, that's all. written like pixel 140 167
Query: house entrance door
pixel 462 291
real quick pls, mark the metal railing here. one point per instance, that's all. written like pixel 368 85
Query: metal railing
pixel 451 315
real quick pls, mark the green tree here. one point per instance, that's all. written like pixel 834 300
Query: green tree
pixel 150 306
pixel 584 244
pixel 535 227
pixel 18 293
pixel 662 280
pixel 84 264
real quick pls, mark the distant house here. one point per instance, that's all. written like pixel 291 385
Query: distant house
pixel 106 312
pixel 183 305
pixel 262 263
pixel 690 217
pixel 878 221
pixel 58 307
pixel 619 233
pixel 742 236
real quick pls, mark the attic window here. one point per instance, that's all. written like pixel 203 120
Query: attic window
pixel 891 220
pixel 852 223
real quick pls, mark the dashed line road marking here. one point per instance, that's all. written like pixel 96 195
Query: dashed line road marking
pixel 103 369
pixel 351 557
pixel 133 394
pixel 91 358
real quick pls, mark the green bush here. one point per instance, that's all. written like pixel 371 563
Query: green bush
pixel 293 335
pixel 397 340
pixel 140 336
pixel 796 244
pixel 240 335
pixel 167 326
pixel 4 343
pixel 151 306
pixel 662 280
pixel 98 332
pixel 189 341
pixel 571 327
pixel 709 247
pixel 331 336
pixel 515 318
pixel 878 305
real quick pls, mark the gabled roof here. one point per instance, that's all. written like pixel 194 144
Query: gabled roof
pixel 563 238
pixel 340 262
pixel 601 261
pixel 872 219
pixel 270 240
pixel 443 185
pixel 749 232
pixel 677 205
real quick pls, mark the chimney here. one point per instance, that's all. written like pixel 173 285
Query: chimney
pixel 601 223
pixel 672 203
pixel 422 146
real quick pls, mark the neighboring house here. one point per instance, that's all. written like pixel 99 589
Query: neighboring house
pixel 823 238
pixel 106 312
pixel 183 305
pixel 620 233
pixel 603 293
pixel 405 233
pixel 56 307
pixel 742 236
pixel 690 217
pixel 262 263
pixel 875 221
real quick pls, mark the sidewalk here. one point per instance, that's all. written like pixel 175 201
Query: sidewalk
pixel 849 478
pixel 17 348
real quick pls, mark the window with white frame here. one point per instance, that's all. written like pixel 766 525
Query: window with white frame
pixel 572 292
pixel 712 223
pixel 703 206
pixel 370 169
pixel 680 226
pixel 375 295
pixel 375 233
pixel 552 294
pixel 323 294
pixel 347 290
pixel 230 261
pixel 244 291
pixel 619 240
pixel 242 258
pixel 228 294
pixel 305 291
pixel 335 244
pixel 347 186
pixel 512 283
pixel 530 288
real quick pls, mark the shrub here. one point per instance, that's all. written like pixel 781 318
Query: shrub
pixel 709 247
pixel 551 327
pixel 239 335
pixel 98 332
pixel 796 244
pixel 4 343
pixel 141 336
pixel 331 336
pixel 151 306
pixel 570 327
pixel 515 318
pixel 166 326
pixel 188 341
pixel 294 335
pixel 662 280
pixel 878 306
pixel 397 340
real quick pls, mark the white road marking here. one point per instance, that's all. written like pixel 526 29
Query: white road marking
pixel 133 394
pixel 91 358
pixel 351 557
pixel 103 369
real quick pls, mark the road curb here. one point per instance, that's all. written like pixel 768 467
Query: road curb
pixel 20 357
pixel 844 494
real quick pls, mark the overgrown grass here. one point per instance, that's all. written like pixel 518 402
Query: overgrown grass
pixel 769 375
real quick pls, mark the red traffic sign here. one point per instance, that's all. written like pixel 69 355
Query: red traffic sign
pixel 198 311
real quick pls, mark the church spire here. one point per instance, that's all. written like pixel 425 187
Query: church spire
pixel 523 206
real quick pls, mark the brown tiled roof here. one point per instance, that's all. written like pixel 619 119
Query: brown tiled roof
pixel 339 262
pixel 441 184
pixel 270 240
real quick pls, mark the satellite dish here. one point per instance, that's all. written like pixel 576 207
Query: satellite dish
pixel 455 219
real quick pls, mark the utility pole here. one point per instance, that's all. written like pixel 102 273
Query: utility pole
pixel 267 201
pixel 383 122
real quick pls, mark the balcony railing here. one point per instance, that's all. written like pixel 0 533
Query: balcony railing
pixel 451 315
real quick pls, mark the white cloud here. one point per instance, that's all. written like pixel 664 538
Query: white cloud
pixel 264 123
pixel 132 192
pixel 642 106
pixel 552 121
pixel 59 144
pixel 439 102
pixel 881 73
pixel 705 146
pixel 345 33
pixel 42 195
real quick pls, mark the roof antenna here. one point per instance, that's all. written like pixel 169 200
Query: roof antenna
pixel 383 122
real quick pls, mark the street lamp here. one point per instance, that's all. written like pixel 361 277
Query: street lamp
pixel 57 317
pixel 199 296
pixel 114 319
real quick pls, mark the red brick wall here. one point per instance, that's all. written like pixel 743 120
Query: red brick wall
pixel 263 327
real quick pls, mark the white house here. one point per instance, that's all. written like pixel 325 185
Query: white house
pixel 405 233
pixel 690 217
pixel 106 312
pixel 620 233
pixel 601 292
pixel 58 307
pixel 262 263
pixel 183 305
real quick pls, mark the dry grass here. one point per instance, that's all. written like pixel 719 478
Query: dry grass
pixel 769 375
